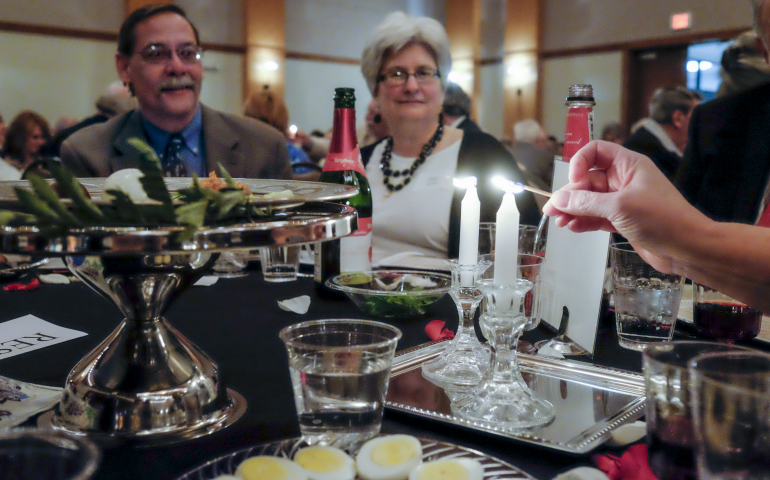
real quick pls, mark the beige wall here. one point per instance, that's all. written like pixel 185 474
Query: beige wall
pixel 222 85
pixel 310 92
pixel 491 109
pixel 59 76
pixel 64 77
pixel 54 78
pixel 603 71
pixel 100 15
pixel 217 21
pixel 575 23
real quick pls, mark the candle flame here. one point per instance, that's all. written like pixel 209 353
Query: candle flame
pixel 506 185
pixel 464 182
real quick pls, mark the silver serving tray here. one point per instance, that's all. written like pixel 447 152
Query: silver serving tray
pixel 303 191
pixel 494 469
pixel 590 400
pixel 20 267
pixel 311 222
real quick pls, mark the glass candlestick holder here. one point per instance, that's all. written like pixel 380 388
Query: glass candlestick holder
pixel 528 267
pixel 464 361
pixel 502 398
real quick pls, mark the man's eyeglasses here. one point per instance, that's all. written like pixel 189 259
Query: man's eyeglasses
pixel 159 53
pixel 399 76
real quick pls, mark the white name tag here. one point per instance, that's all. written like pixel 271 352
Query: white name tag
pixel 29 333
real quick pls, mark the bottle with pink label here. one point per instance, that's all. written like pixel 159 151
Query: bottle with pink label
pixel 343 165
pixel 580 119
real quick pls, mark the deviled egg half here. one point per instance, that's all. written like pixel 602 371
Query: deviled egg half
pixel 127 181
pixel 389 457
pixel 449 469
pixel 325 463
pixel 269 468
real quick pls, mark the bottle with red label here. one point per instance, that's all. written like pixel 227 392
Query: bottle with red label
pixel 343 165
pixel 580 119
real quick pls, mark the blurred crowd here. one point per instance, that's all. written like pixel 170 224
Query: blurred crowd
pixel 418 130
pixel 662 136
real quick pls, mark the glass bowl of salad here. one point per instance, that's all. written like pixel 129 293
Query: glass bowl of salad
pixel 393 293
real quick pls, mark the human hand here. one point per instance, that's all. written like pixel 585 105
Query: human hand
pixel 617 190
pixel 303 139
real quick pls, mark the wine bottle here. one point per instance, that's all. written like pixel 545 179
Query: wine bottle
pixel 580 119
pixel 343 165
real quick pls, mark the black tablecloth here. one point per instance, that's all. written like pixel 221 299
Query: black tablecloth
pixel 236 322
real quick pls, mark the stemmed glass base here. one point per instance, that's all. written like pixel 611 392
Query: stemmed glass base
pixel 503 399
pixel 464 361
pixel 563 345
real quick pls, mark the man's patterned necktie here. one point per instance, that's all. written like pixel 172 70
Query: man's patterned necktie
pixel 172 160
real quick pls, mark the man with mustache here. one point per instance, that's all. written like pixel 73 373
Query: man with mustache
pixel 159 58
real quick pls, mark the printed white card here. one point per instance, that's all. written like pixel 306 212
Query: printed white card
pixel 206 281
pixel 29 333
pixel 574 270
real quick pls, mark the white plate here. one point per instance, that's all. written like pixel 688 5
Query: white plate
pixel 20 400
pixel 431 450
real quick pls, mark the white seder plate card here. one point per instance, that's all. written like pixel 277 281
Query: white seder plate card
pixel 28 333
pixel 574 270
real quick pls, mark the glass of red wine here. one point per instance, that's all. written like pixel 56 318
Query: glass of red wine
pixel 718 316
pixel 670 438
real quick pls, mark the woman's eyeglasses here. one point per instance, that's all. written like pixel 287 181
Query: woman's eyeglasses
pixel 399 76
pixel 160 53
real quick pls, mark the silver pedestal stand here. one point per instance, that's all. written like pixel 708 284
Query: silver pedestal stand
pixel 146 383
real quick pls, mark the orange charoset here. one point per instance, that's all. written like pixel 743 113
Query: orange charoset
pixel 215 183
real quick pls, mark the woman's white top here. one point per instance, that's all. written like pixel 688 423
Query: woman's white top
pixel 8 171
pixel 416 218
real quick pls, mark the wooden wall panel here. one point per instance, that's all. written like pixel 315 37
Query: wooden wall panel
pixel 523 20
pixel 132 5
pixel 463 26
pixel 265 38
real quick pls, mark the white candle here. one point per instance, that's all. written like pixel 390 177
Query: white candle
pixel 506 241
pixel 470 214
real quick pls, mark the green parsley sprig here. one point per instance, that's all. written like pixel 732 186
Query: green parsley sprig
pixel 195 208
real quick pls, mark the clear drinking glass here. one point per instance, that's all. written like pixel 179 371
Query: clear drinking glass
pixel 339 371
pixel 730 394
pixel 529 242
pixel 646 300
pixel 670 440
pixel 36 454
pixel 231 264
pixel 528 268
pixel 487 234
pixel 279 264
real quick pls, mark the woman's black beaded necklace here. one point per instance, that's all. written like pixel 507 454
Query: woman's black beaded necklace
pixel 407 173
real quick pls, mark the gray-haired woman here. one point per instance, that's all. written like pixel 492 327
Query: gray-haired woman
pixel 415 206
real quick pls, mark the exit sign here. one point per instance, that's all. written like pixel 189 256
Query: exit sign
pixel 681 21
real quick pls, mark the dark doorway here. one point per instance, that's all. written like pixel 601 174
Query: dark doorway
pixel 649 70
pixel 703 67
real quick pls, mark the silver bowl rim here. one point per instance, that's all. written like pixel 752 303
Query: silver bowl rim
pixel 93 454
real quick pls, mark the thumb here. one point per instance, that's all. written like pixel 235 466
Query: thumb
pixel 582 203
